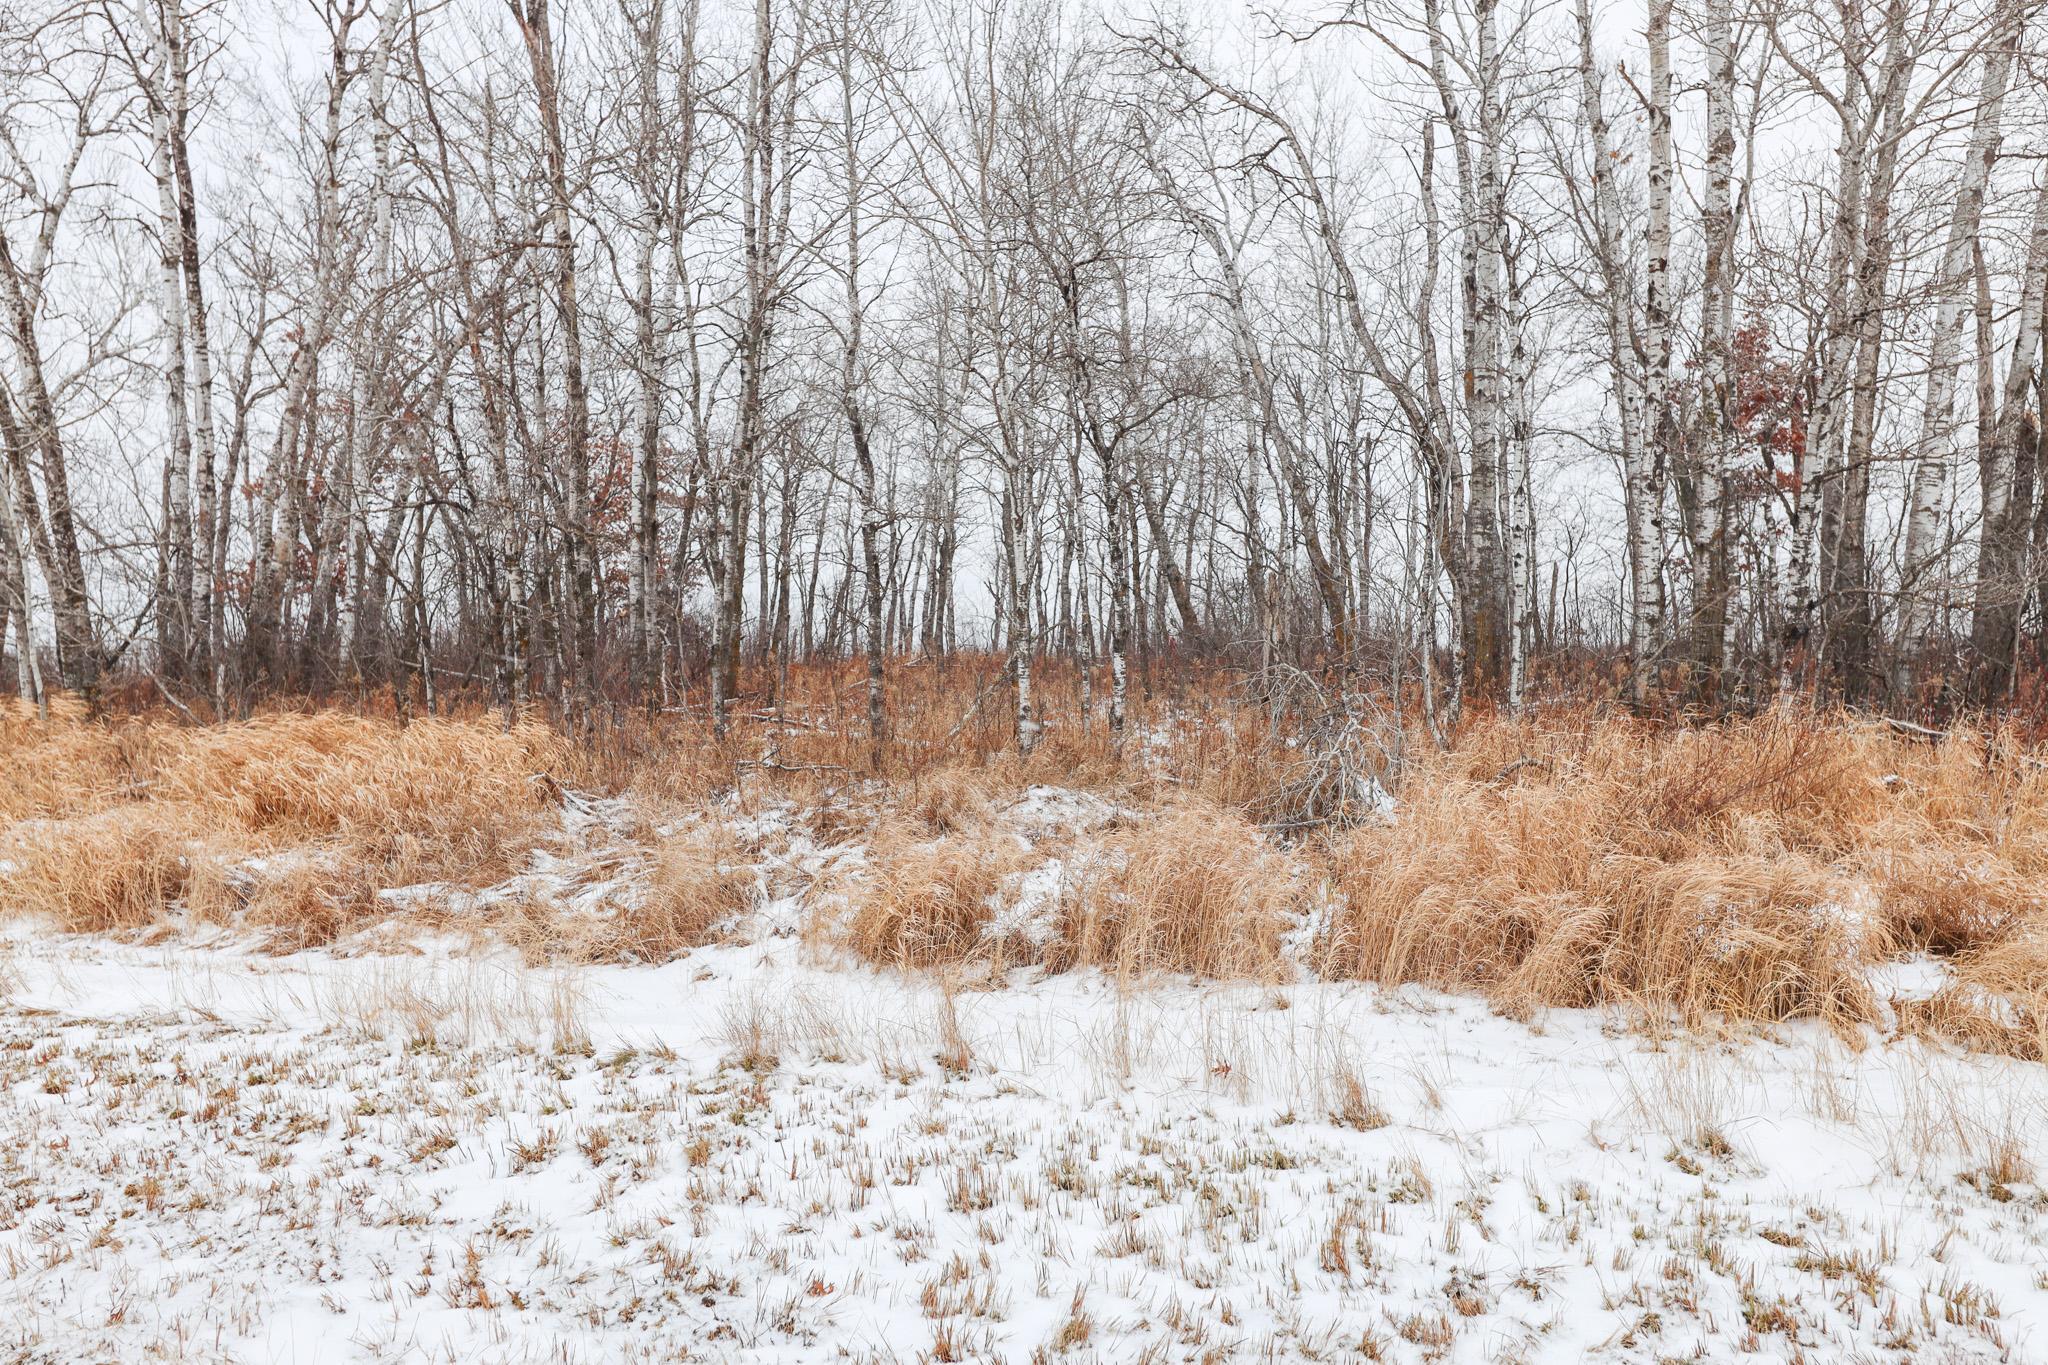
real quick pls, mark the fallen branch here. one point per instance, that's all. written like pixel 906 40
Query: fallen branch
pixel 1907 727
pixel 183 709
pixel 1525 761
pixel 771 765
pixel 980 696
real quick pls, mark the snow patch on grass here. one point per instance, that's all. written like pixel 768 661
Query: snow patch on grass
pixel 743 1155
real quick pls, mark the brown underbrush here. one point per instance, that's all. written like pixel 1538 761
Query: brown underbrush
pixel 1198 890
pixel 927 902
pixel 1753 869
pixel 295 819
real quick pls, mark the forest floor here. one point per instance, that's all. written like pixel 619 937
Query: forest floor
pixel 327 1039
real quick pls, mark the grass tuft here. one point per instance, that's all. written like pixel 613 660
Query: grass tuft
pixel 928 902
pixel 1197 891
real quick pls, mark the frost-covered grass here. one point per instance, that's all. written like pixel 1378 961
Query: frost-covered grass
pixel 751 1154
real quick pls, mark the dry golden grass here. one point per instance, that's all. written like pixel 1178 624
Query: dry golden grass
pixel 437 791
pixel 304 904
pixel 1950 896
pixel 699 881
pixel 69 766
pixel 696 884
pixel 1752 869
pixel 116 824
pixel 1197 891
pixel 1996 1000
pixel 926 902
pixel 951 800
pixel 108 870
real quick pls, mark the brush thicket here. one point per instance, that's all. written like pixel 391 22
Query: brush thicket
pixel 118 823
pixel 110 870
pixel 1997 998
pixel 699 883
pixel 1581 860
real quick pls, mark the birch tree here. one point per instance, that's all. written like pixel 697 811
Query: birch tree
pixel 1952 291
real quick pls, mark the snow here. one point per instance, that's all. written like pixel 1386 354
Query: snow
pixel 1028 904
pixel 418 1146
pixel 1377 799
pixel 1914 978
pixel 1044 811
pixel 759 1154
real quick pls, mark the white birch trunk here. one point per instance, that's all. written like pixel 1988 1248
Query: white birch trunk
pixel 1933 451
pixel 1521 523
pixel 1658 418
pixel 1638 487
pixel 1490 573
pixel 174 611
pixel 1712 559
pixel 368 398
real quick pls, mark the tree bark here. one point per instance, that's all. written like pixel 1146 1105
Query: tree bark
pixel 2016 438
pixel 1933 451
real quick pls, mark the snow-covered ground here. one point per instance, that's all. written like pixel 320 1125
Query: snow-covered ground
pixel 753 1154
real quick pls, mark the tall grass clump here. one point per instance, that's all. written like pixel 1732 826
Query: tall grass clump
pixel 69 766
pixel 1959 857
pixel 1581 861
pixel 435 797
pixel 698 884
pixel 923 903
pixel 114 824
pixel 1197 890
pixel 109 870
pixel 1996 1000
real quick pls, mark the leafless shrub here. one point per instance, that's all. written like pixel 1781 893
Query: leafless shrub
pixel 1346 752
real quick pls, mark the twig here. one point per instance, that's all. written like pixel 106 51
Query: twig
pixel 560 794
pixel 165 692
pixel 1525 761
pixel 1907 727
pixel 786 721
pixel 974 709
pixel 772 766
